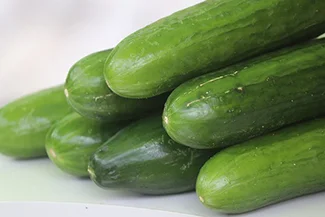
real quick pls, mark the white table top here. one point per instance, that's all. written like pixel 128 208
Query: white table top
pixel 38 209
pixel 40 180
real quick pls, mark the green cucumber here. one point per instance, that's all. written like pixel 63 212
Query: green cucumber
pixel 88 94
pixel 72 140
pixel 249 99
pixel 24 122
pixel 205 37
pixel 266 170
pixel 142 158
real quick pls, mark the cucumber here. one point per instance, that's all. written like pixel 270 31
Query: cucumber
pixel 205 37
pixel 249 99
pixel 266 170
pixel 72 140
pixel 143 159
pixel 25 122
pixel 88 94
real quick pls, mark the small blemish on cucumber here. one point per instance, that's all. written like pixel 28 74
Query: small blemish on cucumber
pixel 52 153
pixel 66 92
pixel 201 199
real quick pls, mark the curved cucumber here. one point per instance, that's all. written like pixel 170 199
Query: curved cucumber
pixel 88 94
pixel 206 37
pixel 253 98
pixel 142 158
pixel 25 122
pixel 272 168
pixel 72 140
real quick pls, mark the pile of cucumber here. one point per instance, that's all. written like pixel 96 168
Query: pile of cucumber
pixel 225 97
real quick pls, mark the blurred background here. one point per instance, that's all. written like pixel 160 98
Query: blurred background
pixel 40 40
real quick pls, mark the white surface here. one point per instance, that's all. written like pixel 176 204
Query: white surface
pixel 40 180
pixel 37 209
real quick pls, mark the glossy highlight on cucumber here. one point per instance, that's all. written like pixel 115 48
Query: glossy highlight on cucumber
pixel 249 99
pixel 88 94
pixel 73 140
pixel 142 158
pixel 269 169
pixel 24 122
pixel 205 37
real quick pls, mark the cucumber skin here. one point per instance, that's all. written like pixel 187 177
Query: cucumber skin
pixel 279 166
pixel 72 140
pixel 143 159
pixel 89 95
pixel 249 99
pixel 205 37
pixel 25 122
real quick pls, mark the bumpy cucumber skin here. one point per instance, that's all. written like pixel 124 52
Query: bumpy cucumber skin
pixel 272 168
pixel 206 37
pixel 72 140
pixel 143 159
pixel 251 99
pixel 87 92
pixel 25 122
